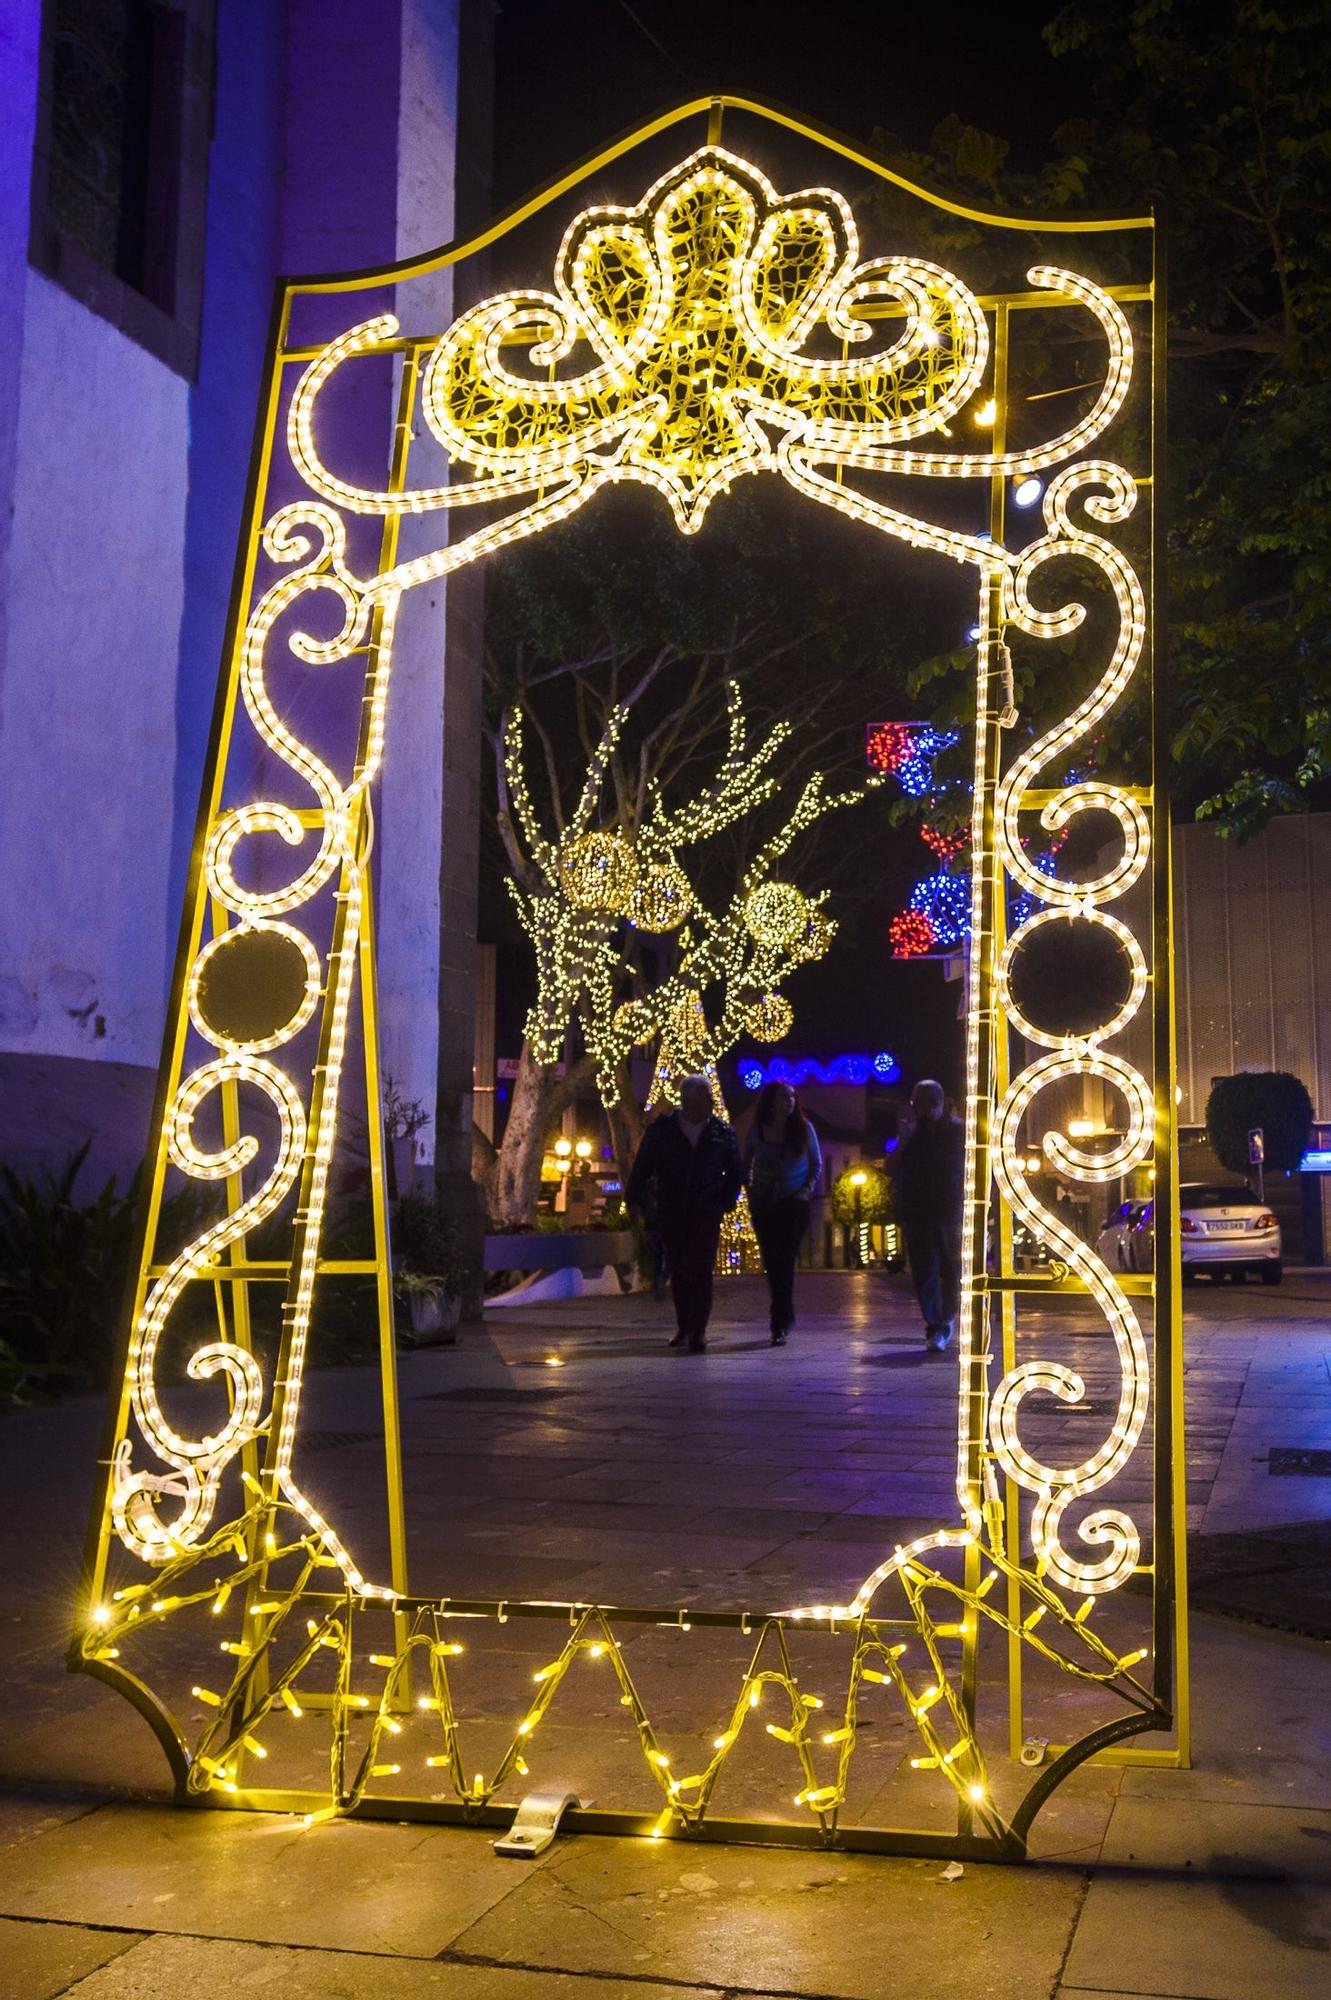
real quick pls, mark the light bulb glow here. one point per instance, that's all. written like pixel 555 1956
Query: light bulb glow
pixel 715 330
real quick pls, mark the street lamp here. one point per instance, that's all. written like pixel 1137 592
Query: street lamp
pixel 583 1149
pixel 1081 1128
pixel 858 1181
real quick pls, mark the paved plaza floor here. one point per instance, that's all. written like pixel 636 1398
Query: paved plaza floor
pixel 566 1452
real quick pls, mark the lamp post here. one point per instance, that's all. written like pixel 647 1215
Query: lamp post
pixel 857 1181
pixel 563 1148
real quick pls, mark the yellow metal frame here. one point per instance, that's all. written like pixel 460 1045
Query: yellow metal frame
pixel 698 305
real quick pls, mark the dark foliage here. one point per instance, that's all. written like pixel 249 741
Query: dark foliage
pixel 64 1266
pixel 1271 1099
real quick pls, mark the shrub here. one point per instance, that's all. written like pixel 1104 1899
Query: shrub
pixel 64 1266
pixel 875 1196
pixel 1272 1099
pixel 426 1243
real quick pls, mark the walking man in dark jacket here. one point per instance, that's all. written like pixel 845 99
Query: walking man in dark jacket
pixel 929 1191
pixel 691 1158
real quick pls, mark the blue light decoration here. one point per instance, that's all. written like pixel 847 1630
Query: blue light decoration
pixel 881 1068
pixel 1024 903
pixel 937 914
pixel 906 751
pixel 944 901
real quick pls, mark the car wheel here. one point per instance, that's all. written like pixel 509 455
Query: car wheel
pixel 1189 1275
pixel 1272 1274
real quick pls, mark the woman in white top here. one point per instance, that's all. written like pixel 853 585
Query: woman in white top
pixel 782 1162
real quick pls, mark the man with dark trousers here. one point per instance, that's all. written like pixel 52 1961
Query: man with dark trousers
pixel 691 1158
pixel 928 1198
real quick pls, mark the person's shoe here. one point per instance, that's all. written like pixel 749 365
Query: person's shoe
pixel 698 1343
pixel 678 1339
pixel 778 1336
pixel 937 1340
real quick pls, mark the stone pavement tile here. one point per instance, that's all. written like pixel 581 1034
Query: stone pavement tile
pixel 105 1745
pixel 24 1815
pixel 784 1921
pixel 1261 1712
pixel 40 1961
pixel 353 1886
pixel 1215 1902
pixel 164 1967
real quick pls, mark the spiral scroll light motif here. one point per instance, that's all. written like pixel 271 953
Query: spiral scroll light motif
pixel 313 538
pixel 1108 495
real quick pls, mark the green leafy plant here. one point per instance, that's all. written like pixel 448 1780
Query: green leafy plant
pixel 427 1248
pixel 1272 1100
pixel 64 1265
pixel 875 1196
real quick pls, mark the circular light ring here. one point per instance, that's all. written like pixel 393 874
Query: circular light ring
pixel 1043 1036
pixel 230 944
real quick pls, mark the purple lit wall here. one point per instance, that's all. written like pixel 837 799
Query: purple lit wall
pixel 333 136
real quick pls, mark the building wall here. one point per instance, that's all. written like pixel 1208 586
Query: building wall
pixel 245 182
pixel 333 144
pixel 1254 957
pixel 87 753
pixel 93 452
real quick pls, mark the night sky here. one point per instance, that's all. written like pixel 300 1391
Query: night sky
pixel 573 74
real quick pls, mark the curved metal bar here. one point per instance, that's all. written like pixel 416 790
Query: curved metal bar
pixel 174 1747
pixel 1077 1753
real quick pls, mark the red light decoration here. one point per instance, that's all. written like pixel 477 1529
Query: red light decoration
pixel 888 746
pixel 911 935
pixel 946 845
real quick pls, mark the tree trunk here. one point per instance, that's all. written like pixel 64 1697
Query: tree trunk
pixel 539 1095
pixel 515 1183
pixel 626 1125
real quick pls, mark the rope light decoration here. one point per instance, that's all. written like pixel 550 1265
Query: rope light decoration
pixel 716 329
pixel 852 1069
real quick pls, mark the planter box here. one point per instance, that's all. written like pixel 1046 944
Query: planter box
pixel 573 1250
pixel 434 1321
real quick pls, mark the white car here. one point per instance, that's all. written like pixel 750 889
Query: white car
pixel 1220 1229
pixel 1116 1245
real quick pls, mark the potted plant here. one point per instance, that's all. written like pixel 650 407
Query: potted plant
pixel 429 1270
pixel 432 1309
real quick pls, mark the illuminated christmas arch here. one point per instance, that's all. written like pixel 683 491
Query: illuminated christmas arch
pixel 713 330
